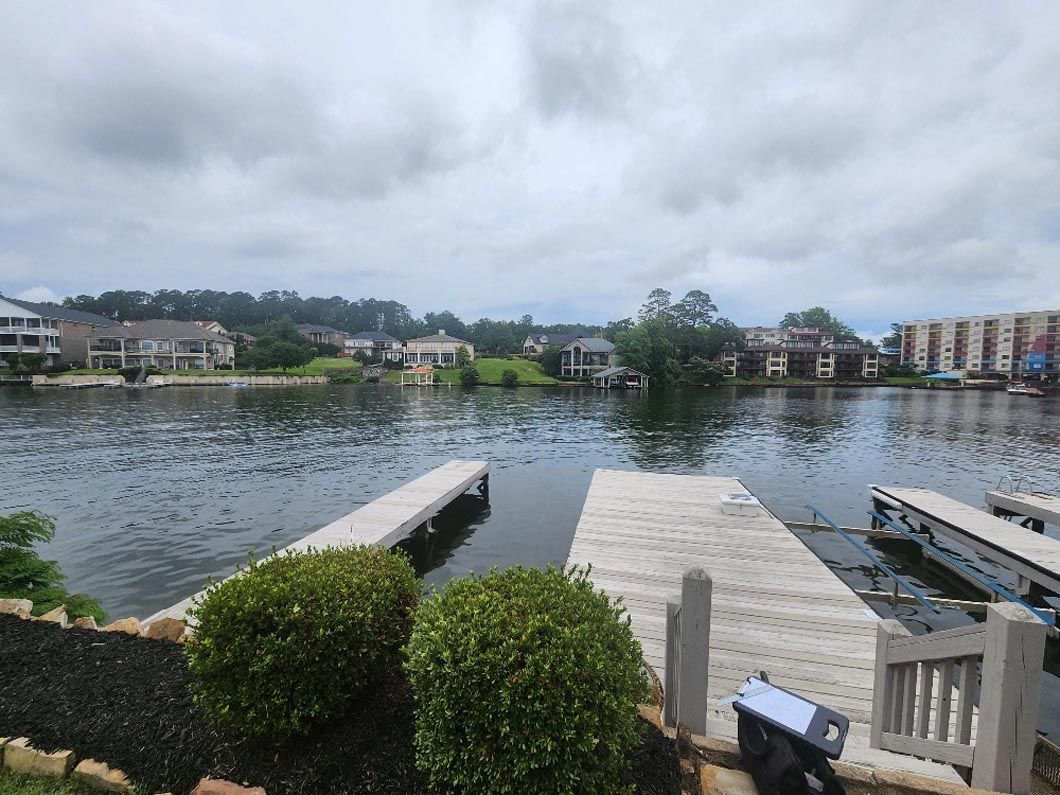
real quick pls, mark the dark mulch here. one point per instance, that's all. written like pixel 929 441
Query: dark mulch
pixel 126 700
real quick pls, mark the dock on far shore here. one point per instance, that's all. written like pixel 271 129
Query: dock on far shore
pixel 384 521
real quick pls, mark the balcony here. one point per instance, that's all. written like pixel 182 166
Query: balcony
pixel 29 349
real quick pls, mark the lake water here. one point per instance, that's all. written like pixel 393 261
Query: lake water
pixel 154 489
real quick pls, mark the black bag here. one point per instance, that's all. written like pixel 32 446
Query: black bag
pixel 779 764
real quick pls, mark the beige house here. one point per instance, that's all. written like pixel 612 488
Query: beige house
pixel 166 344
pixel 438 348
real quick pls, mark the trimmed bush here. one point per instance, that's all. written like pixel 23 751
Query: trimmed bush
pixel 294 639
pixel 510 378
pixel 469 376
pixel 525 681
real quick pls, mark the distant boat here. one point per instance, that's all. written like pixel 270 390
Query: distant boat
pixel 1017 389
pixel 237 384
pixel 1034 392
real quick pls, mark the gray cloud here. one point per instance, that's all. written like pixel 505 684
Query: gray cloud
pixel 556 157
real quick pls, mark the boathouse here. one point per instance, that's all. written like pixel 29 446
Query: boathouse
pixel 620 378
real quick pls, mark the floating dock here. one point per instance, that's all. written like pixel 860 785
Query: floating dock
pixel 1033 557
pixel 775 605
pixel 1039 509
pixel 386 520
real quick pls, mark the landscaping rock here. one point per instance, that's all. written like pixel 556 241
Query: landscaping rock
pixel 715 780
pixel 20 607
pixel 217 786
pixel 85 622
pixel 58 615
pixel 652 714
pixel 130 626
pixel 20 757
pixel 98 775
pixel 165 629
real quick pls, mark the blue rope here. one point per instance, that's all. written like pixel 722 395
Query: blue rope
pixel 990 584
pixel 877 562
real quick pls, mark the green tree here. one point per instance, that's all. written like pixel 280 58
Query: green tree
pixel 469 376
pixel 612 329
pixel 657 307
pixel 510 378
pixel 463 357
pixel 551 360
pixel 695 309
pixel 894 339
pixel 648 348
pixel 704 371
pixel 23 575
pixel 715 336
pixel 819 317
pixel 288 354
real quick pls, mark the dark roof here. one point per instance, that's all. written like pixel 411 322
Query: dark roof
pixel 594 344
pixel 439 338
pixel 62 313
pixel 160 330
pixel 610 371
pixel 553 339
pixel 376 336
pixel 317 329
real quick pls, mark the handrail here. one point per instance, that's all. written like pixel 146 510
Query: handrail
pixel 1002 479
pixel 1024 478
pixel 966 570
pixel 920 597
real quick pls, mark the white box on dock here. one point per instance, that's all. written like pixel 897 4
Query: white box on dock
pixel 740 503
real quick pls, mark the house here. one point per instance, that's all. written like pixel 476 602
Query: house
pixel 321 335
pixel 374 345
pixel 583 356
pixel 168 344
pixel 535 343
pixel 800 353
pixel 242 338
pixel 54 331
pixel 212 325
pixel 437 348
pixel 620 378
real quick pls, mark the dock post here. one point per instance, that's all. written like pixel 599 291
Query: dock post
pixel 1009 699
pixel 673 657
pixel 886 684
pixel 696 590
pixel 484 487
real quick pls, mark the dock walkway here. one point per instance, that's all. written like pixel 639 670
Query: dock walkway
pixel 1033 556
pixel 383 521
pixel 1041 509
pixel 775 606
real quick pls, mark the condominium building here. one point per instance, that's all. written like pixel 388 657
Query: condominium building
pixel 57 333
pixel 166 344
pixel 808 353
pixel 437 348
pixel 1016 344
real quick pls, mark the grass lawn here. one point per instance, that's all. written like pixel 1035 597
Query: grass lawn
pixel 15 784
pixel 490 371
pixel 903 380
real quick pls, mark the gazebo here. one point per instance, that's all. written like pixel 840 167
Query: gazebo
pixel 418 376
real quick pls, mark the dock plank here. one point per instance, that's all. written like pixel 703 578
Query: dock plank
pixel 776 606
pixel 383 521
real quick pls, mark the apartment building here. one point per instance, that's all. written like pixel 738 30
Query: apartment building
pixel 807 353
pixel 437 348
pixel 1016 344
pixel 54 331
pixel 166 344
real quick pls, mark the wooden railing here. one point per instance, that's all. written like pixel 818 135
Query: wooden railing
pixel 913 700
pixel 688 652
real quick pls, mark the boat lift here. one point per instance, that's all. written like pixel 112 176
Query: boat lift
pixel 895 576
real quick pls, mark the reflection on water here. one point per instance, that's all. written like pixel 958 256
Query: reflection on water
pixel 154 489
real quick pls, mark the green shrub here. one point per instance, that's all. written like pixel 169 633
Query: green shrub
pixel 469 376
pixel 510 378
pixel 525 681
pixel 294 639
pixel 23 575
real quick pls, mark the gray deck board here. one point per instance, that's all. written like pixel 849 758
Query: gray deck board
pixel 776 606
pixel 1044 507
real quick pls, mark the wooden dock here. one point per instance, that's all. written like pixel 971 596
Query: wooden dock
pixel 386 520
pixel 1040 509
pixel 1033 557
pixel 775 605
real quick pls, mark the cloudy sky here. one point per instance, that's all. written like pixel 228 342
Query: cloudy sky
pixel 887 159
